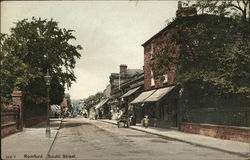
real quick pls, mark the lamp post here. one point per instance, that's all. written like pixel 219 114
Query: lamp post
pixel 47 79
pixel 179 108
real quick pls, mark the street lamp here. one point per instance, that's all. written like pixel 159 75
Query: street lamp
pixel 47 79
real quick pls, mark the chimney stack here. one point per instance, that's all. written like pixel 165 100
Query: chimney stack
pixel 179 5
pixel 185 11
pixel 123 68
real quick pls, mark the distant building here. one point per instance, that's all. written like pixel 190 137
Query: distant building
pixel 119 85
pixel 107 91
pixel 66 104
pixel 116 79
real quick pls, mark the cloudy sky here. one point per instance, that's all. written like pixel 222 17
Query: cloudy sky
pixel 111 33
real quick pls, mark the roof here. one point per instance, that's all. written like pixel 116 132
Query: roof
pixel 157 95
pixel 134 71
pixel 143 96
pixel 55 109
pixel 130 92
pixel 67 95
pixel 130 73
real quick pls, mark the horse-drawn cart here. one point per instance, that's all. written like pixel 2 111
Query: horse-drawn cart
pixel 123 119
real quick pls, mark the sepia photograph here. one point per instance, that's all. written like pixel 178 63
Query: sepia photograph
pixel 125 80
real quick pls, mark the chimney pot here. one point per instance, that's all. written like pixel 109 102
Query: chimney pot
pixel 123 68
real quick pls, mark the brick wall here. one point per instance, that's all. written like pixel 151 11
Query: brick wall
pixel 159 41
pixel 147 70
pixel 241 134
pixel 9 121
pixel 7 129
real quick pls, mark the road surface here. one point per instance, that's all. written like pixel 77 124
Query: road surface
pixel 80 138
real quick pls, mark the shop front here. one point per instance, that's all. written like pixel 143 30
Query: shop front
pixel 160 105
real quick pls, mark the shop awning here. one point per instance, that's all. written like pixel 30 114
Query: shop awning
pixel 143 96
pixel 130 92
pixel 55 109
pixel 157 95
pixel 99 105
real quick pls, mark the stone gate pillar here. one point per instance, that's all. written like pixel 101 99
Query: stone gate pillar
pixel 17 99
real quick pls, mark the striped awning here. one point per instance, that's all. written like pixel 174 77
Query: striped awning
pixel 158 94
pixel 143 96
pixel 130 92
pixel 55 109
pixel 99 105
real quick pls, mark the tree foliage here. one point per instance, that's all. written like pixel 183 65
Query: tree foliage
pixel 32 48
pixel 214 54
pixel 93 100
pixel 230 8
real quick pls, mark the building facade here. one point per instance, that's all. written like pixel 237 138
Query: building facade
pixel 159 101
pixel 120 83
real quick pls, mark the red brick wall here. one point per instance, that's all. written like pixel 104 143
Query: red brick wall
pixel 147 70
pixel 241 134
pixel 160 41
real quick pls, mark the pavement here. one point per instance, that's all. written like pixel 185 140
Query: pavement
pixel 31 143
pixel 233 147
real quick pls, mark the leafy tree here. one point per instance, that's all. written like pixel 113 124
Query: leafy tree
pixel 231 8
pixel 93 100
pixel 32 48
pixel 214 55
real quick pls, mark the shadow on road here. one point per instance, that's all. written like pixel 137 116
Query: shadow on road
pixel 53 123
pixel 72 124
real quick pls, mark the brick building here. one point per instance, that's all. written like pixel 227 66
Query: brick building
pixel 212 116
pixel 160 97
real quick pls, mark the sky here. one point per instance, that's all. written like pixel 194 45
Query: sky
pixel 110 32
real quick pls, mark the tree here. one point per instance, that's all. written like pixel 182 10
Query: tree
pixel 93 100
pixel 214 56
pixel 231 8
pixel 32 48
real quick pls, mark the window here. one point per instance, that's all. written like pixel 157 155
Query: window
pixel 152 79
pixel 152 51
pixel 165 78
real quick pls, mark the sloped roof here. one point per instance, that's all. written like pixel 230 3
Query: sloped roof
pixel 143 96
pixel 99 105
pixel 158 94
pixel 130 73
pixel 130 92
pixel 55 109
pixel 67 95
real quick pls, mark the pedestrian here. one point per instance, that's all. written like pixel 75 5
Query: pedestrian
pixel 145 121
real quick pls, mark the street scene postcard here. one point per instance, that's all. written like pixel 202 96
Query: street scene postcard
pixel 125 80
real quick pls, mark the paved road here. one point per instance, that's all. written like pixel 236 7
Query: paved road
pixel 81 138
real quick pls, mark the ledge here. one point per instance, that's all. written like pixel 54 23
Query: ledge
pixel 8 124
